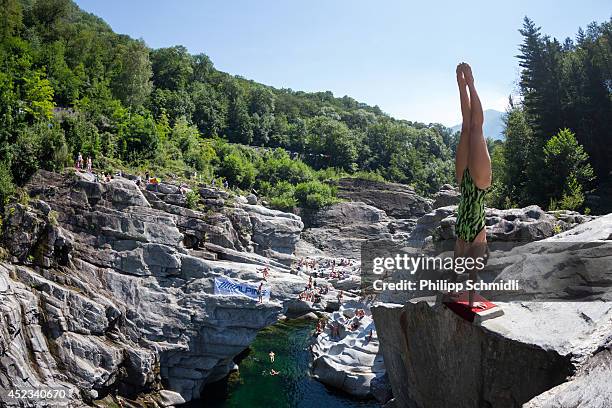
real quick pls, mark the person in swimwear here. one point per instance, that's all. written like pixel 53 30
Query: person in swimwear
pixel 473 173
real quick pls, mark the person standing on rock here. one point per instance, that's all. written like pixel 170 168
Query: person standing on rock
pixel 79 161
pixel 473 173
pixel 271 354
pixel 260 293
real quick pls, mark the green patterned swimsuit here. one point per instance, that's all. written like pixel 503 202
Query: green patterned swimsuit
pixel 471 211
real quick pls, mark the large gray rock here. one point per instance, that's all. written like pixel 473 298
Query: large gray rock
pixel 533 347
pixel 448 195
pixel 274 233
pixel 341 228
pixel 396 200
pixel 503 363
pixel 589 387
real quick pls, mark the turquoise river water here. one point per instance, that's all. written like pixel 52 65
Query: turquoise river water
pixel 254 387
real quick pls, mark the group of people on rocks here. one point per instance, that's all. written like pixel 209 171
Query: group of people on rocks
pixel 323 269
pixel 334 326
pixel 79 163
pixel 313 291
pixel 87 165
pixel 213 183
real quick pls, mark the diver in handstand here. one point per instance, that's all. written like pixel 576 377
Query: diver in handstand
pixel 473 173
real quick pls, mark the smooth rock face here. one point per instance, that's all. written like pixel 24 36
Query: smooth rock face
pixel 111 288
pixel 341 228
pixel 509 360
pixel 274 233
pixel 589 387
pixel 396 200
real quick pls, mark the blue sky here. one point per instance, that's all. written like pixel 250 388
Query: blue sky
pixel 399 55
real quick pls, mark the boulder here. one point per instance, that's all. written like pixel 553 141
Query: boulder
pixel 588 387
pixel 448 195
pixel 213 193
pixel 506 361
pixel 170 398
pixel 274 233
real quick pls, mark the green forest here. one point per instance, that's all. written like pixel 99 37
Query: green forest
pixel 70 85
pixel 557 146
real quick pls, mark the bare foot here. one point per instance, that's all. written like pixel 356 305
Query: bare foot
pixel 460 76
pixel 467 74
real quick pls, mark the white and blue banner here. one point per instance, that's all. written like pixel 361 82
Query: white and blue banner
pixel 227 286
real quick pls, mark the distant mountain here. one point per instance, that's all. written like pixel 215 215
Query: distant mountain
pixel 493 124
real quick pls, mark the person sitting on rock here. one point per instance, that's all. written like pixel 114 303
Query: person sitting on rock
pixel 274 372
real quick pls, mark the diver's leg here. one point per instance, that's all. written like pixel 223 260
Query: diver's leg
pixel 463 147
pixel 479 162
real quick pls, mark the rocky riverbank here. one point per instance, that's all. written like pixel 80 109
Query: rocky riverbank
pixel 108 288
